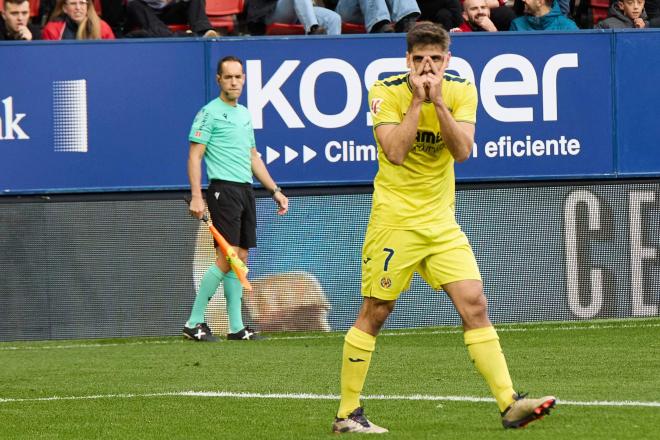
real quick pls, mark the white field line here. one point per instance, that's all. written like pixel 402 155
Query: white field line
pixel 388 333
pixel 307 396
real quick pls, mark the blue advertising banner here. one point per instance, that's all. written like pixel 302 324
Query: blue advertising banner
pixel 637 97
pixel 536 118
pixel 104 115
pixel 109 116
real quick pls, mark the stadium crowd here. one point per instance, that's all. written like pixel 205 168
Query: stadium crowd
pixel 109 19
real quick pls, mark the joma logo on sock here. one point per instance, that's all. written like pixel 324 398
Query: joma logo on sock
pixel 9 123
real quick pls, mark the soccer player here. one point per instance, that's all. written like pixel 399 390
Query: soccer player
pixel 423 121
pixel 222 134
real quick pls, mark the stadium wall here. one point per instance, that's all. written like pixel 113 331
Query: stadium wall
pixel 95 241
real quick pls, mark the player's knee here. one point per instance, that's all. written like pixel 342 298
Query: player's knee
pixel 475 312
pixel 374 312
pixel 381 311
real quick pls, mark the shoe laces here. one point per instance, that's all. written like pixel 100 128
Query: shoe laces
pixel 519 395
pixel 358 416
pixel 516 397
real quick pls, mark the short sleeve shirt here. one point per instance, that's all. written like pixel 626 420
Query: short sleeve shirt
pixel 229 138
pixel 421 191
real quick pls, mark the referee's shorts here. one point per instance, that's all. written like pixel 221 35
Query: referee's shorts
pixel 233 211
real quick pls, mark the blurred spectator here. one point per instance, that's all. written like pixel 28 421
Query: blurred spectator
pixel 76 20
pixel 316 19
pixel 447 13
pixel 476 17
pixel 652 8
pixel 379 15
pixel 15 23
pixel 112 11
pixel 625 14
pixel 149 18
pixel 501 14
pixel 564 7
pixel 542 15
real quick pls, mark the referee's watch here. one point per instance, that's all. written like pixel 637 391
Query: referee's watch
pixel 275 190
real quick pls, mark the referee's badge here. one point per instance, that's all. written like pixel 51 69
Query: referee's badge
pixel 375 105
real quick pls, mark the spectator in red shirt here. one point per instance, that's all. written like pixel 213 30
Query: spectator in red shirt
pixel 476 17
pixel 450 13
pixel 76 20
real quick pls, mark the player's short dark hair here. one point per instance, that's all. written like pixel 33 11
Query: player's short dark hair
pixel 228 58
pixel 426 33
pixel 15 2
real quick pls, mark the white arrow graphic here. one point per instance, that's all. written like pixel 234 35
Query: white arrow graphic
pixel 271 155
pixel 308 154
pixel 289 154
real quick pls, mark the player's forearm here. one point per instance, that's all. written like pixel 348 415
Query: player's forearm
pixel 455 138
pixel 195 176
pixel 400 140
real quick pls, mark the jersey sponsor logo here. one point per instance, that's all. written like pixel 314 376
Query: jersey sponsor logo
pixel 428 137
pixel 428 142
pixel 375 105
pixel 385 282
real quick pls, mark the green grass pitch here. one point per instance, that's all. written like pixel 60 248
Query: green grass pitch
pixel 421 385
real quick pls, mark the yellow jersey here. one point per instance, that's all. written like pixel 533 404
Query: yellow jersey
pixel 421 191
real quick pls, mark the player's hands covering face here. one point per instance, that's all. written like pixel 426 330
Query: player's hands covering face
pixel 426 76
pixel 418 81
pixel 434 77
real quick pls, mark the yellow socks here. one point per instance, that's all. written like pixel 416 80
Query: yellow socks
pixel 483 346
pixel 486 353
pixel 356 357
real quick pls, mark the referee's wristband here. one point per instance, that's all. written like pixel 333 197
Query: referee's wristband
pixel 275 190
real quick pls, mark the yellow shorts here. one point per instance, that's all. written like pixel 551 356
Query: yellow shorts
pixel 441 254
